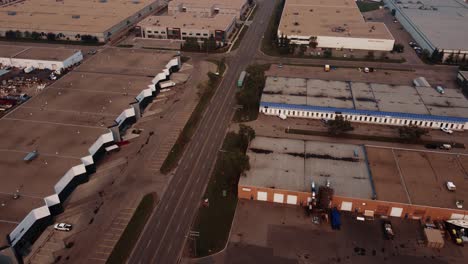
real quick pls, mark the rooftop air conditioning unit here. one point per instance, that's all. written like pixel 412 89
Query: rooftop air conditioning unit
pixel 76 16
pixel 12 13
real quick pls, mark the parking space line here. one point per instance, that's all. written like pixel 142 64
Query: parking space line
pixel 104 260
pixel 105 246
pixel 102 252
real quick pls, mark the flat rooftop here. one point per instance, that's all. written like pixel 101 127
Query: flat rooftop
pixel 189 21
pixel 440 21
pixel 62 121
pixel 36 53
pixel 364 96
pixel 84 16
pixel 336 18
pixel 291 164
pixel 208 3
pixel 418 177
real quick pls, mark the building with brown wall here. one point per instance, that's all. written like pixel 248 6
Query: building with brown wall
pixel 398 183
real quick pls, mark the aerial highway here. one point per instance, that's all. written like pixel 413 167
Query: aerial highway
pixel 164 235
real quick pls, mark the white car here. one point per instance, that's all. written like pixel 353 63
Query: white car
pixel 62 227
pixel 446 130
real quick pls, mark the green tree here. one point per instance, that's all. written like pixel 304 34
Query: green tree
pixel 246 135
pixel 397 47
pixel 370 55
pixel 191 44
pixel 412 132
pixel 10 34
pixel 35 35
pixel 51 36
pixel 313 42
pixel 425 55
pixel 339 125
pixel 302 49
pixel 328 53
pixel 27 34
pixel 19 34
pixel 210 44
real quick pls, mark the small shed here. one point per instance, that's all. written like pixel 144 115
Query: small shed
pixel 434 238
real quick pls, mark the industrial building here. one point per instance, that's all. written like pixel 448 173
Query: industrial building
pixel 72 19
pixel 38 57
pixel 372 103
pixel 209 8
pixel 336 24
pixel 185 25
pixel 365 180
pixel 435 24
pixel 71 126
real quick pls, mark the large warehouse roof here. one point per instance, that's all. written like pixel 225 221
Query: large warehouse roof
pixel 189 21
pixel 208 3
pixel 291 164
pixel 337 18
pixel 76 16
pixel 367 98
pixel 36 53
pixel 443 23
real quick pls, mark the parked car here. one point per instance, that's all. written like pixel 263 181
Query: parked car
pixel 388 229
pixel 412 44
pixel 446 130
pixel 63 227
pixel 446 146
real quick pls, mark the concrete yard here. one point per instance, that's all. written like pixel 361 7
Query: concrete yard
pixel 62 121
pixel 271 233
pixel 289 164
pixel 418 177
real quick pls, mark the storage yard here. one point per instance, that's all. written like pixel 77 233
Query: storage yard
pixel 26 71
pixel 100 19
pixel 62 124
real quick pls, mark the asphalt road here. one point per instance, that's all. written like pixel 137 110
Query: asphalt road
pixel 165 233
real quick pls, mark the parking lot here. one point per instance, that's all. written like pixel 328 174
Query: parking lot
pixel 271 233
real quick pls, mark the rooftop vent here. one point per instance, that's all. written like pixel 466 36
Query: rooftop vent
pixel 296 13
pixel 76 16
pixel 102 1
pixel 12 13
pixel 135 1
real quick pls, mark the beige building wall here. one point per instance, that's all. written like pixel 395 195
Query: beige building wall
pixel 357 205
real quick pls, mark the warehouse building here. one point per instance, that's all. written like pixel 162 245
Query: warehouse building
pixel 38 57
pixel 283 170
pixel 372 103
pixel 70 20
pixel 336 24
pixel 86 134
pixel 435 24
pixel 185 25
pixel 209 8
